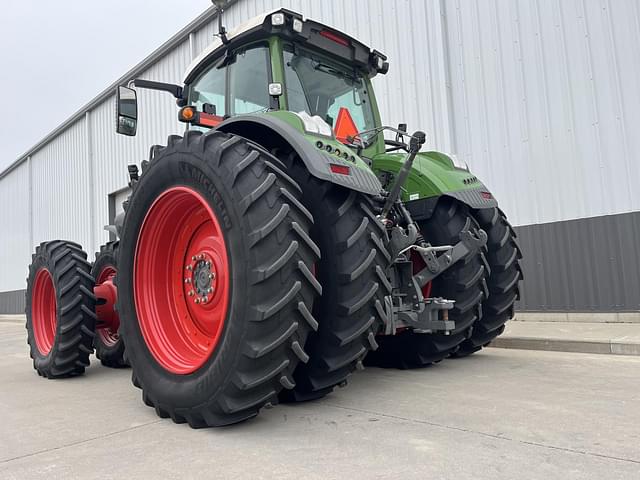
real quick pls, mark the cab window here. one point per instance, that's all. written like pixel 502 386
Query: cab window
pixel 320 86
pixel 210 88
pixel 249 81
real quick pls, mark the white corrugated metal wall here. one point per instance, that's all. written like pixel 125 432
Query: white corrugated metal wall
pixel 15 244
pixel 547 104
pixel 539 96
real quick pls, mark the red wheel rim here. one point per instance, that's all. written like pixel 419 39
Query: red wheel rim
pixel 181 280
pixel 109 333
pixel 43 311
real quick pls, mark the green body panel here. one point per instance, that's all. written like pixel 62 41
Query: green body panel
pixel 296 122
pixel 432 174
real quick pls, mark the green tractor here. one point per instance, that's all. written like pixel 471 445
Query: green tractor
pixel 284 241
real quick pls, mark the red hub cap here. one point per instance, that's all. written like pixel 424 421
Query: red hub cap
pixel 181 280
pixel 108 319
pixel 43 311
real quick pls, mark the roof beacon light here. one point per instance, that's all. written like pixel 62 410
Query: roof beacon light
pixel 277 19
pixel 297 25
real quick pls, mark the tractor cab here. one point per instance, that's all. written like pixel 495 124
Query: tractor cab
pixel 278 61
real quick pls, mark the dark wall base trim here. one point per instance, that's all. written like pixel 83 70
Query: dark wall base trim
pixel 584 265
pixel 12 302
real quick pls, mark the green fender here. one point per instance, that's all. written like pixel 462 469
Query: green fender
pixel 432 176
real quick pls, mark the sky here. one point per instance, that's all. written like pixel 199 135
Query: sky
pixel 55 56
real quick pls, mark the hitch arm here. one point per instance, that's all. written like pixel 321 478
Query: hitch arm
pixel 468 244
pixel 416 142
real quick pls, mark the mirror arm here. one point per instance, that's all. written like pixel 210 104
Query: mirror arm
pixel 175 90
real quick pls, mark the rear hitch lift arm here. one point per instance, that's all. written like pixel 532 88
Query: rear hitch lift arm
pixel 469 244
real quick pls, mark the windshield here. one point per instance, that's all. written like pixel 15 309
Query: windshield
pixel 320 87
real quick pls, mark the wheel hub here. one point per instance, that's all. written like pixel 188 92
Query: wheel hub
pixel 108 319
pixel 200 279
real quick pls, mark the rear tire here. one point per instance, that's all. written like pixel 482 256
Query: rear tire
pixel 504 280
pixel 60 309
pixel 352 273
pixel 190 367
pixel 464 282
pixel 108 345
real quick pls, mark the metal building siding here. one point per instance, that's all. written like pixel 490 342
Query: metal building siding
pixel 15 248
pixel 60 188
pixel 546 103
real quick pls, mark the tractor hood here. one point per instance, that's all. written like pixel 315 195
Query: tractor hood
pixel 293 27
pixel 434 174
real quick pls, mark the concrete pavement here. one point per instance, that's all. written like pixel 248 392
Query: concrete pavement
pixel 500 414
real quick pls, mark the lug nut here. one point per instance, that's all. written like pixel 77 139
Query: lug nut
pixel 191 293
pixel 189 267
pixel 205 299
pixel 187 280
pixel 210 290
pixel 193 258
pixel 197 300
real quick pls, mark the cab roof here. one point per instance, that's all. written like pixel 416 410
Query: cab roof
pixel 294 28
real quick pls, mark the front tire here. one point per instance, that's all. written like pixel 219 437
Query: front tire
pixel 60 309
pixel 215 283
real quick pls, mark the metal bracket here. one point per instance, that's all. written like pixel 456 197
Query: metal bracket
pixel 469 243
pixel 430 315
pixel 407 308
pixel 399 241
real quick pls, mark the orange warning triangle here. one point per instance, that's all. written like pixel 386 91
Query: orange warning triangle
pixel 345 126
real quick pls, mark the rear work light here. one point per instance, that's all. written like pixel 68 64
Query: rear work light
pixel 277 19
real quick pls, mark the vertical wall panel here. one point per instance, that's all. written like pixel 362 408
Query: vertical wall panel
pixel 61 187
pixel 14 222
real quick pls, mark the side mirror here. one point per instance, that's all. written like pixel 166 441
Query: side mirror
pixel 126 111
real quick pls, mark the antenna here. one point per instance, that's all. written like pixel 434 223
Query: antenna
pixel 222 32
